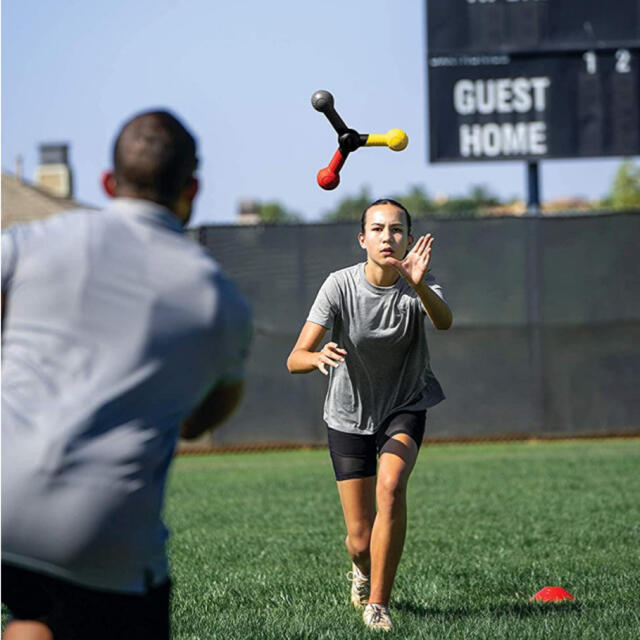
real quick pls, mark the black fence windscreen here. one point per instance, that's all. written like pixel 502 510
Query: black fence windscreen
pixel 546 335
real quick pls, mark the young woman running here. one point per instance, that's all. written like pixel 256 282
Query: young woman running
pixel 380 386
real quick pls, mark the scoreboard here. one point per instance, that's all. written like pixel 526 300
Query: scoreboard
pixel 533 79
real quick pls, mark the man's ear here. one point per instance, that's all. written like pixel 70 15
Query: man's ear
pixel 361 240
pixel 191 189
pixel 109 183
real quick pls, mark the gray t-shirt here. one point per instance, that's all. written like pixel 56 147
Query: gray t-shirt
pixel 386 368
pixel 116 327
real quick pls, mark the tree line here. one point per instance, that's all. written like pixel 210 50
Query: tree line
pixel 623 194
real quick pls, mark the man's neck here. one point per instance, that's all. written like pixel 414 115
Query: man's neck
pixel 183 219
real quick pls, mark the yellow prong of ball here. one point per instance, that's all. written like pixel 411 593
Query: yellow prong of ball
pixel 395 139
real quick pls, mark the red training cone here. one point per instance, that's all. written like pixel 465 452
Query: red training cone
pixel 552 594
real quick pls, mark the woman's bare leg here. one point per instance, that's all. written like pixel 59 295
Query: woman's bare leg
pixel 27 630
pixel 387 537
pixel 357 497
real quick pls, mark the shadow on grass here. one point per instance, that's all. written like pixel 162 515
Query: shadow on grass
pixel 507 609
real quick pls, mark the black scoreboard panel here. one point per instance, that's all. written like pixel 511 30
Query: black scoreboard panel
pixel 479 26
pixel 533 79
pixel 555 106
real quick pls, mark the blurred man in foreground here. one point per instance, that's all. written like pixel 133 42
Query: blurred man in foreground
pixel 118 331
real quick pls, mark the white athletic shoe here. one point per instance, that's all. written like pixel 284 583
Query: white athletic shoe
pixel 359 587
pixel 377 617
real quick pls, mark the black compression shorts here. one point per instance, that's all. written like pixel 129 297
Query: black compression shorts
pixel 355 455
pixel 73 612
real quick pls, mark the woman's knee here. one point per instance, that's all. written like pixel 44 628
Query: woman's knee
pixel 359 538
pixel 391 490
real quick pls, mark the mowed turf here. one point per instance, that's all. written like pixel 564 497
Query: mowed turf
pixel 257 544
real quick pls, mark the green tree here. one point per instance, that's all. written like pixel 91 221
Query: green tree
pixel 417 202
pixel 625 190
pixel 478 198
pixel 349 208
pixel 275 213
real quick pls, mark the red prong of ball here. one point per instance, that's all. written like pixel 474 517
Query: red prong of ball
pixel 328 179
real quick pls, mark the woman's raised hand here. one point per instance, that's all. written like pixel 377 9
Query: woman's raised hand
pixel 331 354
pixel 415 264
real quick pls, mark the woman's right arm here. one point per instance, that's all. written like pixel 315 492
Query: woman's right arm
pixel 304 358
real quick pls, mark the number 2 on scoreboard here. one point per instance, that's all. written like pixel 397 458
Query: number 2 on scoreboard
pixel 623 61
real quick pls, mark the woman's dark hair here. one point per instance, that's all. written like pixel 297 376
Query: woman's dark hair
pixel 395 203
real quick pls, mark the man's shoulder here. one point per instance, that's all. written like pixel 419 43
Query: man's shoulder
pixel 65 224
pixel 201 258
pixel 62 219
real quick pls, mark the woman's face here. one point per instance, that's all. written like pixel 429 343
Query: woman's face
pixel 385 234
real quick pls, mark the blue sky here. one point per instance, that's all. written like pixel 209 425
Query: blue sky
pixel 241 75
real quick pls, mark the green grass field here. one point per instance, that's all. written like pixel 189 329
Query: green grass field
pixel 257 548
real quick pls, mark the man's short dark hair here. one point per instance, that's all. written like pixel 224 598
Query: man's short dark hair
pixel 154 157
pixel 395 203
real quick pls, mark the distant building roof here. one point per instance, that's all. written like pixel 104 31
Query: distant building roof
pixel 22 202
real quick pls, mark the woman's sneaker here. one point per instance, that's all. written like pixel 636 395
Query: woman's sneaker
pixel 377 617
pixel 359 587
